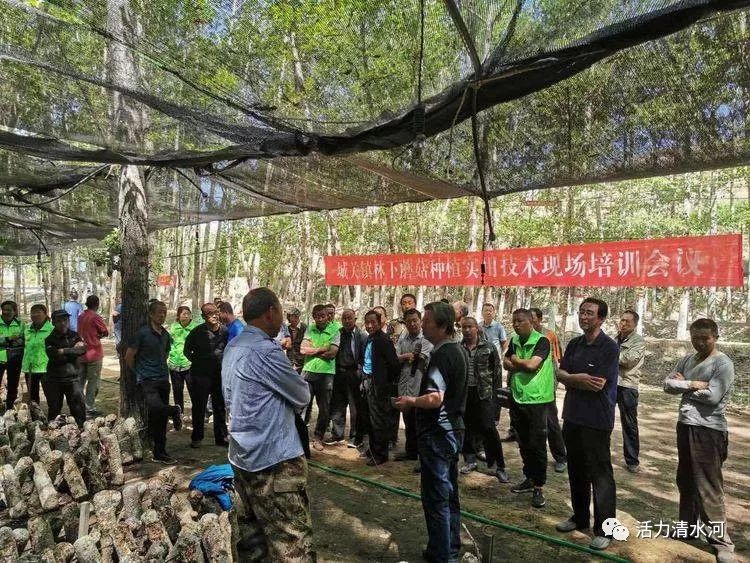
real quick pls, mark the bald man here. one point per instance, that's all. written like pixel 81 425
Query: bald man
pixel 346 381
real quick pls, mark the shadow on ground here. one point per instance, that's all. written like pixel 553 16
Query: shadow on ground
pixel 357 522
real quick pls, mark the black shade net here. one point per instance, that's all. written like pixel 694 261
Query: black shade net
pixel 240 109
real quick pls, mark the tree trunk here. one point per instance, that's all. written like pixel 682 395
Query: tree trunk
pixel 395 310
pixel 134 268
pixel 682 319
pixel 45 284
pixel 641 310
pixel 336 251
pixel 18 283
pixel 65 270
pixel 195 293
pixel 713 221
pixel 418 249
pixel 129 124
pixel 113 289
pixel 307 251
pixel 205 237
pixel 552 308
pixel 210 284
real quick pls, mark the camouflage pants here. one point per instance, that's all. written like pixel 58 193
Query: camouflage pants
pixel 276 525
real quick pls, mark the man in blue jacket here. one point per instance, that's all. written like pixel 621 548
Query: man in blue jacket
pixel 263 393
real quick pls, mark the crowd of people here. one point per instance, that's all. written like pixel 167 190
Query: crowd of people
pixel 444 373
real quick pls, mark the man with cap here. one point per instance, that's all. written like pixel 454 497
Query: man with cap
pixel 74 309
pixel 64 349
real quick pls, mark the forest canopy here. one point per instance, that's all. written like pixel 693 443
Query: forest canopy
pixel 237 109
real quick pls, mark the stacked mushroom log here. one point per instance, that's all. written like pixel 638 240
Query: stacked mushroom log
pixel 65 499
pixel 143 522
pixel 47 467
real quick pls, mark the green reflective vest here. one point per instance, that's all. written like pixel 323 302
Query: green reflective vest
pixel 179 333
pixel 34 351
pixel 320 338
pixel 539 386
pixel 13 329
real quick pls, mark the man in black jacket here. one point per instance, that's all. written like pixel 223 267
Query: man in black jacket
pixel 346 380
pixel 380 371
pixel 64 350
pixel 204 347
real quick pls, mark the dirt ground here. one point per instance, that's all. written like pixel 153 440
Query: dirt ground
pixel 354 521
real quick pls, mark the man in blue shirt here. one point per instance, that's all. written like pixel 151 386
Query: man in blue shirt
pixel 227 318
pixel 73 308
pixel 263 393
pixel 493 331
pixel 147 356
pixel 589 370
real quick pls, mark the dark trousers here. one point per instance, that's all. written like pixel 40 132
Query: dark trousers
pixel 531 428
pixel 321 388
pixel 627 402
pixel 438 452
pixel 33 381
pixel 381 421
pixel 205 382
pixel 701 452
pixel 363 415
pixel 410 431
pixel 479 418
pixel 307 413
pixel 511 418
pixel 345 394
pixel 554 435
pixel 13 369
pixel 180 379
pixel 590 467
pixel 72 391
pixel 156 397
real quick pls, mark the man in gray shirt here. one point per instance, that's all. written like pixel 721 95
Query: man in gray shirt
pixel 413 351
pixel 262 393
pixel 632 353
pixel 704 380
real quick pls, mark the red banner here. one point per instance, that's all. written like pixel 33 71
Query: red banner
pixel 165 280
pixel 701 261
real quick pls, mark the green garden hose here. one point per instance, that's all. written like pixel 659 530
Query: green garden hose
pixel 472 516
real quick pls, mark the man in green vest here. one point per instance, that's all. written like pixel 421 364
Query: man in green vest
pixel 532 383
pixel 11 349
pixel 320 344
